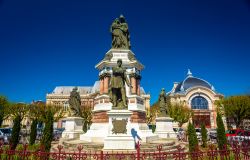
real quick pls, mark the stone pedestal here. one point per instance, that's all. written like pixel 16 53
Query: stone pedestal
pixel 119 131
pixel 164 127
pixel 73 128
pixel 99 129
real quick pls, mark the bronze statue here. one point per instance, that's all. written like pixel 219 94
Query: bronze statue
pixel 117 86
pixel 75 103
pixel 163 103
pixel 120 33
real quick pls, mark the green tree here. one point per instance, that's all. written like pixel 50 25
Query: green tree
pixel 17 112
pixel 87 117
pixel 15 132
pixel 154 111
pixel 33 131
pixel 48 131
pixel 49 114
pixel 35 115
pixel 237 108
pixel 204 135
pixel 149 116
pixel 180 113
pixel 192 138
pixel 3 105
pixel 221 136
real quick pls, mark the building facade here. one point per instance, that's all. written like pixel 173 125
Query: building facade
pixel 89 97
pixel 200 96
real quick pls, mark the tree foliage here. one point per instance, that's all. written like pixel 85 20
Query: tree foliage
pixel 16 109
pixel 180 113
pixel 204 135
pixel 17 112
pixel 87 117
pixel 35 115
pixel 237 108
pixel 15 132
pixel 149 116
pixel 49 114
pixel 221 135
pixel 154 111
pixel 192 138
pixel 3 105
pixel 33 131
pixel 48 131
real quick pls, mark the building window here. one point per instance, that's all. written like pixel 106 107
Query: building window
pixel 66 106
pixel 199 103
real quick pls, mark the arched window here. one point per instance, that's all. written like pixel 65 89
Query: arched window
pixel 199 102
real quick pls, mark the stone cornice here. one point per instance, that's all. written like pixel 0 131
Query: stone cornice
pixel 105 74
pixel 128 61
pixel 60 96
pixel 137 76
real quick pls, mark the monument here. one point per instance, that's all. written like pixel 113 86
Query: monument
pixel 74 123
pixel 119 108
pixel 164 124
pixel 119 133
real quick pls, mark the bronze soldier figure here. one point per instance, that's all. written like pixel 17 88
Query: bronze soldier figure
pixel 117 86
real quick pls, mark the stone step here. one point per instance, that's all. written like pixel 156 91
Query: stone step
pixel 166 144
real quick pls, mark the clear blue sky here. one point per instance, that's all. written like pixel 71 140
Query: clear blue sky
pixel 49 43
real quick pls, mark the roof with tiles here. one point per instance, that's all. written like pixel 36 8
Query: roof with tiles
pixel 190 82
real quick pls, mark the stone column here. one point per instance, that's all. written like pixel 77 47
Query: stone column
pixel 59 124
pixel 101 86
pixel 214 114
pixel 106 84
pixel 133 83
pixel 138 87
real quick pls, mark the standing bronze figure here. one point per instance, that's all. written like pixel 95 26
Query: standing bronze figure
pixel 120 33
pixel 75 103
pixel 117 87
pixel 163 103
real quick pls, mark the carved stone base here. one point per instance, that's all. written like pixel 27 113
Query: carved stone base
pixel 164 127
pixel 119 143
pixel 99 129
pixel 102 117
pixel 73 128
pixel 119 133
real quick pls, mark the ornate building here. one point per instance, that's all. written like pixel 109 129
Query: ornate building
pixel 60 95
pixel 200 96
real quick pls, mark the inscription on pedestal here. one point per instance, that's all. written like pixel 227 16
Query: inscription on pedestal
pixel 119 126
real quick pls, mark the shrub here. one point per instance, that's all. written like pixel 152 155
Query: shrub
pixel 15 132
pixel 204 135
pixel 221 136
pixel 192 138
pixel 33 132
pixel 48 131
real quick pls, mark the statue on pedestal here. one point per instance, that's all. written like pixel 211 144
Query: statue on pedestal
pixel 75 103
pixel 163 104
pixel 120 33
pixel 117 86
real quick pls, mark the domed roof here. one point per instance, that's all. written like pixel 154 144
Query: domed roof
pixel 190 82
